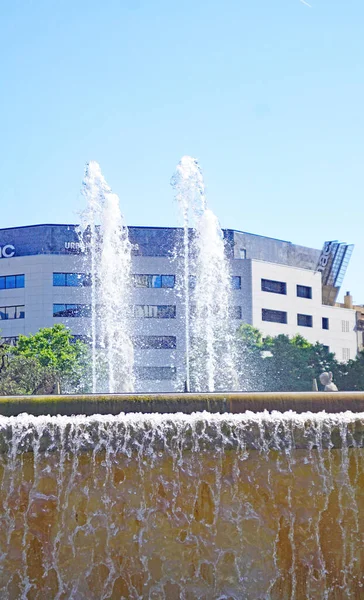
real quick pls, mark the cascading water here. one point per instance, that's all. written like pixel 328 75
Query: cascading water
pixel 108 252
pixel 254 506
pixel 209 334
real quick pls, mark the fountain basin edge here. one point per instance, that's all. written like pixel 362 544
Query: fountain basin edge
pixel 187 403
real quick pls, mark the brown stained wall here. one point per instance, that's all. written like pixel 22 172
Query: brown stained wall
pixel 237 527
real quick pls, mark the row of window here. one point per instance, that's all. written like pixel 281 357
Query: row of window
pixel 146 311
pixel 153 311
pixel 71 279
pixel 279 316
pixel 235 282
pixel 12 312
pixel 155 373
pixel 10 282
pixel 280 287
pixel 235 312
pixel 139 280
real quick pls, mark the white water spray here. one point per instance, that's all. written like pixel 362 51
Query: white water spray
pixel 108 251
pixel 209 338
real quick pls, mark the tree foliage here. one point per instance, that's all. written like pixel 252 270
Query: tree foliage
pixel 45 362
pixel 288 364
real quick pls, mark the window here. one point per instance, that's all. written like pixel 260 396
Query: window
pixel 71 310
pixel 158 342
pixel 155 373
pixel 242 253
pixel 346 354
pixel 345 326
pixel 303 291
pixel 154 281
pixel 9 282
pixel 325 323
pixel 10 341
pixel 275 287
pixel 304 320
pixel 274 316
pixel 12 312
pixel 236 282
pixel 235 312
pixel 71 279
pixel 153 311
pixel 327 348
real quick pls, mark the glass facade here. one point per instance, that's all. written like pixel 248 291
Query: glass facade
pixel 155 311
pixel 9 282
pixel 71 279
pixel 275 287
pixel 71 310
pixel 158 342
pixel 12 312
pixel 154 281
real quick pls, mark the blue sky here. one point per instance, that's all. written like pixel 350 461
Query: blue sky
pixel 267 94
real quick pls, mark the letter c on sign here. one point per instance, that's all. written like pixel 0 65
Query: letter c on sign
pixel 8 251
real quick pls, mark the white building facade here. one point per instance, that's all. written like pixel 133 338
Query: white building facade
pixel 276 288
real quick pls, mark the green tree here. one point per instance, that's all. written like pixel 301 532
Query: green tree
pixel 44 361
pixel 350 376
pixel 280 363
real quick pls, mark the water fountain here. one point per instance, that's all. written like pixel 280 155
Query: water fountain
pixel 108 259
pixel 220 500
pixel 208 328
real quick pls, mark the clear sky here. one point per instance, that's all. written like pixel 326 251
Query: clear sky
pixel 267 94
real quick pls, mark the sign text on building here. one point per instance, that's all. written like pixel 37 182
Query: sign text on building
pixel 7 251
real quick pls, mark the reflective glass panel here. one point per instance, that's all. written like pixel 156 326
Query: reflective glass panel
pixel 2 283
pixel 59 279
pixel 11 312
pixel 10 282
pixel 3 313
pixel 168 281
pixel 236 282
pixel 19 281
pixel 20 312
pixel 72 279
pixel 156 281
pixel 59 310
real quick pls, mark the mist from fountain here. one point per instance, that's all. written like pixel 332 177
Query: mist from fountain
pixel 208 328
pixel 108 254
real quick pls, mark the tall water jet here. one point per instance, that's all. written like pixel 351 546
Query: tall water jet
pixel 212 350
pixel 190 195
pixel 209 336
pixel 108 250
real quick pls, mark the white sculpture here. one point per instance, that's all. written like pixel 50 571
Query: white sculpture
pixel 326 380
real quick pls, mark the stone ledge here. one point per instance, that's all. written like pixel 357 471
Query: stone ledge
pixel 234 403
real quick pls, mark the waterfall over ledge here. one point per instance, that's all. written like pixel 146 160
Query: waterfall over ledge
pixel 207 506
